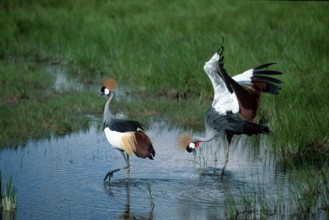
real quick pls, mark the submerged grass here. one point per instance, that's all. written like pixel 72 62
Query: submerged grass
pixel 303 196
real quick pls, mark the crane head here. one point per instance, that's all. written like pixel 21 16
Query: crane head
pixel 192 146
pixel 185 142
pixel 109 86
pixel 105 91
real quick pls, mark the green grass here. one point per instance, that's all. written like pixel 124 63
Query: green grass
pixel 159 49
pixel 31 107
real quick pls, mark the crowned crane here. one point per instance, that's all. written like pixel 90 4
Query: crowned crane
pixel 236 100
pixel 125 135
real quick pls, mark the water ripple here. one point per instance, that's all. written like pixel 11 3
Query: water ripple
pixel 62 178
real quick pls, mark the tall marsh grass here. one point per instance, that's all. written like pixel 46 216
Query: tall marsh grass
pixel 303 195
pixel 7 195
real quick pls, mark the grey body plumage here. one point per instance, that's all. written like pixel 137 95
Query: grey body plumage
pixel 231 124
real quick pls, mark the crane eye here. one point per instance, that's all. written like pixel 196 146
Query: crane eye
pixel 105 91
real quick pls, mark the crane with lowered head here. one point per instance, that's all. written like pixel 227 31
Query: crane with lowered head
pixel 235 103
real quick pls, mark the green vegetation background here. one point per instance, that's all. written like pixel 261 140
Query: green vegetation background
pixel 156 51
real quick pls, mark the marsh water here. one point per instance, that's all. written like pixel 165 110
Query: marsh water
pixel 62 178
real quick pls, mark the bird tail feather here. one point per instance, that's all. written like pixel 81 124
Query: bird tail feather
pixel 251 128
pixel 143 147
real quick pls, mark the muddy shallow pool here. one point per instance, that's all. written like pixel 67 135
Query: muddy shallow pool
pixel 62 178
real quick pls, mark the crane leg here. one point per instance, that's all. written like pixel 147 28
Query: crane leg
pixel 127 167
pixel 226 152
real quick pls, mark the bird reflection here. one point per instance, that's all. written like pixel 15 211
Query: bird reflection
pixel 113 188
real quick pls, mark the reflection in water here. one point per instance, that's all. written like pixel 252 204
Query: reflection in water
pixel 62 178
pixel 7 215
pixel 63 82
pixel 124 189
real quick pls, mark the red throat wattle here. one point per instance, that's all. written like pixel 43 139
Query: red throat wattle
pixel 197 144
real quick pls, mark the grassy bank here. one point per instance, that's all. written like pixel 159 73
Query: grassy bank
pixel 32 108
pixel 159 48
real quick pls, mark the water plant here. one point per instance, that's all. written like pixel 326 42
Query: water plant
pixel 254 202
pixel 304 194
pixel 8 197
pixel 151 198
pixel 310 191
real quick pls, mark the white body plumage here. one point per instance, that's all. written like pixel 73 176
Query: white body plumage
pixel 123 141
pixel 113 137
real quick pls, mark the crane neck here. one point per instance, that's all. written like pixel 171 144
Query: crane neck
pixel 107 116
pixel 209 136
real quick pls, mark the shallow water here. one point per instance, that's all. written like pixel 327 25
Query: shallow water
pixel 62 178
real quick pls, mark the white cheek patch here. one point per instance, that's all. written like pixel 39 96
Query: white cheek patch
pixel 191 145
pixel 106 91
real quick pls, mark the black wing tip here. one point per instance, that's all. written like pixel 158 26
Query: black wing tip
pixel 221 48
pixel 220 51
pixel 272 88
pixel 266 72
pixel 264 66
pixel 274 91
pixel 266 79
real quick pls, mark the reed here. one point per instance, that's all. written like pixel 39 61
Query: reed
pixel 8 195
pixel 306 197
pixel 151 198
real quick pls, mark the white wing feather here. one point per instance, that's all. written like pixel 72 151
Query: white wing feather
pixel 223 100
pixel 244 78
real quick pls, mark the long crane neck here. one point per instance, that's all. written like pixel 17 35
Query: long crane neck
pixel 209 136
pixel 107 116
